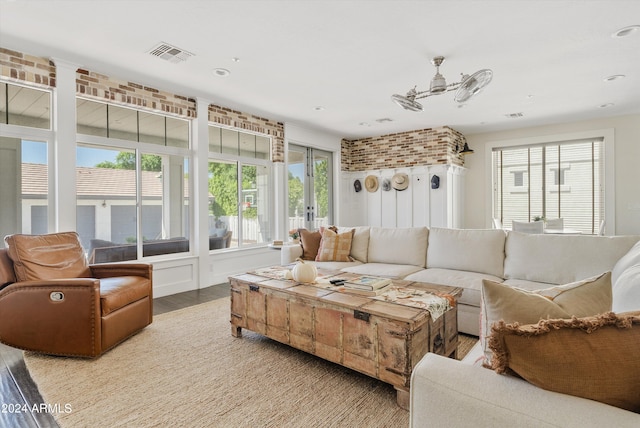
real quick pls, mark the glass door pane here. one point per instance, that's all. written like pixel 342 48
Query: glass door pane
pixel 310 188
pixel 321 188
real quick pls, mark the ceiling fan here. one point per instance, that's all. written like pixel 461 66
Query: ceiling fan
pixel 465 89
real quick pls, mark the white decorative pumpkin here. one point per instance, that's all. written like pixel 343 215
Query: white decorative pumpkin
pixel 304 272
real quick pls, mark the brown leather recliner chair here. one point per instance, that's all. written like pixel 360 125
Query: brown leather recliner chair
pixel 53 302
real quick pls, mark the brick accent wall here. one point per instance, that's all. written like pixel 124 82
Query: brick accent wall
pixel 104 88
pixel 228 117
pixel 26 68
pixel 406 149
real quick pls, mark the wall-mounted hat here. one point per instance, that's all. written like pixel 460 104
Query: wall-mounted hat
pixel 357 185
pixel 386 184
pixel 400 181
pixel 371 183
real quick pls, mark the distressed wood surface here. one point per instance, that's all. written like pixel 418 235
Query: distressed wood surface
pixel 381 339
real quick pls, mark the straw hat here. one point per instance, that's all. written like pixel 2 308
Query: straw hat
pixel 400 181
pixel 371 183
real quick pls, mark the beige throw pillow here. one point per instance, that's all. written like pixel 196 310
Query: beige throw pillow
pixel 335 247
pixel 594 357
pixel 500 302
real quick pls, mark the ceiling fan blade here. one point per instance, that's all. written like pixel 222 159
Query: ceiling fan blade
pixel 406 102
pixel 473 84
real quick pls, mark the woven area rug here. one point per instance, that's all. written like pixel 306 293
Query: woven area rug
pixel 186 370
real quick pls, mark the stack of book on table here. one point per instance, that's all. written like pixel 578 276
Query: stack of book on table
pixel 367 285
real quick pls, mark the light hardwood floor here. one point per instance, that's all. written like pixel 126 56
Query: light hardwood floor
pixel 18 391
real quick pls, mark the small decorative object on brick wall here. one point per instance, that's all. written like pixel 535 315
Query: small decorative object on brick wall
pixel 400 181
pixel 371 183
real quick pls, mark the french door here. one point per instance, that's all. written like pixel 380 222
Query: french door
pixel 310 181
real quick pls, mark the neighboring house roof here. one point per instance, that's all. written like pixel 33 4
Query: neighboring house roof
pixel 99 182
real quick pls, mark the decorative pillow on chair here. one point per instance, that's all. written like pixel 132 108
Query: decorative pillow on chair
pixel 501 302
pixel 52 256
pixel 595 357
pixel 310 242
pixel 335 247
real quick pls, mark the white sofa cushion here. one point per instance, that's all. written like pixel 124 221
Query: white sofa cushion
pixel 448 393
pixel 404 246
pixel 626 291
pixel 359 243
pixel 334 266
pixel 471 282
pixel 527 285
pixel 473 250
pixel 631 258
pixel 386 270
pixel 558 259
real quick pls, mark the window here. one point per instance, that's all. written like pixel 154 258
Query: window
pixel 553 180
pixel 24 186
pixel 132 179
pixel 240 199
pixel 518 178
pixel 25 133
pixel 23 106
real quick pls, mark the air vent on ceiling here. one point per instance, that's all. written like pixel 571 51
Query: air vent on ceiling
pixel 170 53
pixel 514 115
pixel 384 119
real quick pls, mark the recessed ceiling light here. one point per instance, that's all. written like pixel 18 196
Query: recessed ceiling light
pixel 364 124
pixel 235 59
pixel 606 105
pixel 221 72
pixel 318 108
pixel 626 31
pixel 514 115
pixel 614 77
pixel 384 119
pixel 530 96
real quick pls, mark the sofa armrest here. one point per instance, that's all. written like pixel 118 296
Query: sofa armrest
pixel 60 317
pixel 110 270
pixel 446 392
pixel 289 253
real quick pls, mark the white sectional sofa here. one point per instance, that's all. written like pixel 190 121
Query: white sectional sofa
pixel 451 393
pixel 464 257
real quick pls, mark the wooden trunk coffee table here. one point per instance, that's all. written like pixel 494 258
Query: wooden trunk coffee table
pixel 378 338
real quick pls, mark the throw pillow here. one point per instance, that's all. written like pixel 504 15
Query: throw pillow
pixel 593 357
pixel 310 242
pixel 335 247
pixel 52 256
pixel 501 302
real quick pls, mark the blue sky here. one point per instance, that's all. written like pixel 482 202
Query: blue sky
pixel 36 152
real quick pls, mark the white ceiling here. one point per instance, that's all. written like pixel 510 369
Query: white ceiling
pixel 549 58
